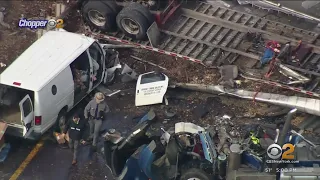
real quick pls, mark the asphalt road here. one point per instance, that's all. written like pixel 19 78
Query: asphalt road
pixel 45 160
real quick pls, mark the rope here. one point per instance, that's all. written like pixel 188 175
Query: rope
pixel 257 90
pixel 271 68
pixel 273 45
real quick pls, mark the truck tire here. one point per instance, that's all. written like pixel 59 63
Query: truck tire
pixel 112 5
pixel 195 173
pixel 93 10
pixel 142 9
pixel 133 24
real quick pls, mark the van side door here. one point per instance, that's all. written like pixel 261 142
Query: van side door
pixel 96 57
pixel 27 115
pixel 151 88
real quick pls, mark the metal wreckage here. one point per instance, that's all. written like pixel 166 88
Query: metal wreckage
pixel 216 38
pixel 188 151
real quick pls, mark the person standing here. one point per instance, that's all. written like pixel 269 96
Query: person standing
pixel 93 112
pixel 75 129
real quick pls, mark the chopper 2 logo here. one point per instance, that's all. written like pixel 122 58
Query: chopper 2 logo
pixel 36 24
pixel 275 152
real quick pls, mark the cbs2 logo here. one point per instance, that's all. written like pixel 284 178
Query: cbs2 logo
pixel 275 151
pixel 55 23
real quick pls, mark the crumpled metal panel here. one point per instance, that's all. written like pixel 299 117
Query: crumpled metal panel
pixel 291 74
pixel 182 127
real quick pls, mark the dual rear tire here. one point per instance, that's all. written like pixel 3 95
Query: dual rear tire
pixel 106 16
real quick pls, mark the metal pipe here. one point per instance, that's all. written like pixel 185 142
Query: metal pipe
pixel 222 165
pixel 286 127
pixel 307 105
pixel 277 136
pixel 303 138
pixel 234 159
pixel 113 46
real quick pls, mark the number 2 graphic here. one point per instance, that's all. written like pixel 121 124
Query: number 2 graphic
pixel 288 153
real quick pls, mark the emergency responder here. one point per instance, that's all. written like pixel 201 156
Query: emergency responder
pixel 75 129
pixel 93 112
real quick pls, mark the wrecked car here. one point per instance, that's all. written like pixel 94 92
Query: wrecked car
pixel 52 76
pixel 185 153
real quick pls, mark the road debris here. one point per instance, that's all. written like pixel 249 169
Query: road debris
pixel 170 113
pixel 128 74
pixel 228 74
pixel 291 74
pixel 139 59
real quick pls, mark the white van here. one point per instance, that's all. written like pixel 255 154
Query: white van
pixel 50 78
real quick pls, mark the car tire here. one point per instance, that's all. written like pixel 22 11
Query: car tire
pixel 136 19
pixel 56 126
pixel 114 163
pixel 142 9
pixel 107 147
pixel 195 173
pixel 92 9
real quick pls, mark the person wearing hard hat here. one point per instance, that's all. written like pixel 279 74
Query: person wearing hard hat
pixel 94 113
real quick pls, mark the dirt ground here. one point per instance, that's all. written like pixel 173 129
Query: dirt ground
pixel 178 70
pixel 15 40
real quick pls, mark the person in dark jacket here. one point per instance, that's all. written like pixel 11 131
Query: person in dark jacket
pixel 75 129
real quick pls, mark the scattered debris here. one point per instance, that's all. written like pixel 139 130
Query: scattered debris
pixel 139 59
pixel 228 74
pixel 226 117
pixel 170 113
pixel 292 74
pixel 128 74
